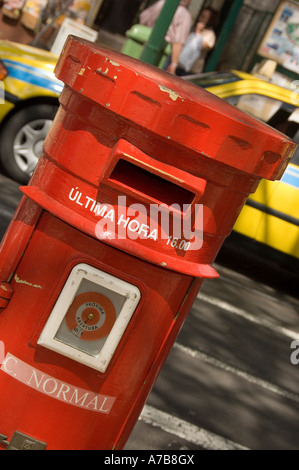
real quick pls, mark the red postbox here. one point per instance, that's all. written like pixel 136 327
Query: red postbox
pixel 142 177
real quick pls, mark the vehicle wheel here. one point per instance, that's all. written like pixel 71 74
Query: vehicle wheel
pixel 22 139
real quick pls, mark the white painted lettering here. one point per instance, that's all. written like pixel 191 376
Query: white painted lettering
pixel 110 215
pixel 123 220
pixel 154 234
pixel 50 390
pixel 100 210
pixel 71 196
pixel 143 230
pixel 93 206
pixel 55 388
pixel 89 199
pixel 102 409
pixel 93 403
pixel 78 200
pixel 74 398
pixel 34 376
pixel 180 227
pixel 64 389
pixel 4 365
pixel 134 225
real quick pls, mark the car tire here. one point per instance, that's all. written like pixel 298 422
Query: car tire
pixel 22 138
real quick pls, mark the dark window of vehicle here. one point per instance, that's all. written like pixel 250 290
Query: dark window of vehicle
pixel 282 116
pixel 286 121
pixel 207 80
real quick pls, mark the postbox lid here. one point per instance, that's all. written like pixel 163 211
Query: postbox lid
pixel 174 109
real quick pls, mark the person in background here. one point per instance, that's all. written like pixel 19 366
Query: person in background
pixel 198 44
pixel 178 30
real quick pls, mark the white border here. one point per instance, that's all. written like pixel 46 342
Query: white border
pixel 79 272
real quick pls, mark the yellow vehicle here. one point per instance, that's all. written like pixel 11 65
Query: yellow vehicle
pixel 29 95
pixel 271 215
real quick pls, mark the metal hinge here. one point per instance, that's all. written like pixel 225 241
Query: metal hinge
pixel 20 441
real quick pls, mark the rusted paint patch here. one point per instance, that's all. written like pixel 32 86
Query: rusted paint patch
pixel 112 62
pixel 172 94
pixel 21 281
pixel 4 287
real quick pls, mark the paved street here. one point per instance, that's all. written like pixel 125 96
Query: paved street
pixel 228 382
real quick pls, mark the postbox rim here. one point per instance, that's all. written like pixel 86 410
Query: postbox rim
pixel 183 113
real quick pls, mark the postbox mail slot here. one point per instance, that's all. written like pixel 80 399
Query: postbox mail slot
pixel 90 317
pixel 150 184
pixel 133 172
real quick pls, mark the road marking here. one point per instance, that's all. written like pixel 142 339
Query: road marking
pixel 187 431
pixel 200 436
pixel 248 316
pixel 250 378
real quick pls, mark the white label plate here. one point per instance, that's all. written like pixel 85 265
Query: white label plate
pixel 90 316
